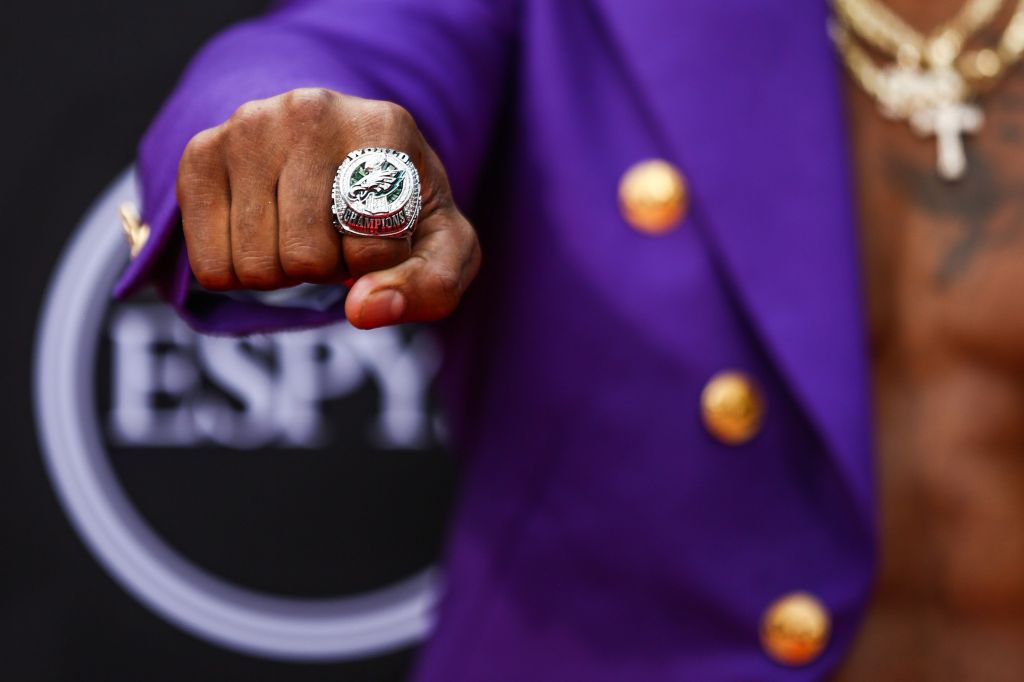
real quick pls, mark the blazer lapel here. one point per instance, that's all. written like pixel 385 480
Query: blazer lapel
pixel 745 95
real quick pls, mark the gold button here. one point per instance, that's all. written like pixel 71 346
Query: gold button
pixel 732 407
pixel 795 629
pixel 652 196
pixel 135 231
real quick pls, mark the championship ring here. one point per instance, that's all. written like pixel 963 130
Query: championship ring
pixel 376 194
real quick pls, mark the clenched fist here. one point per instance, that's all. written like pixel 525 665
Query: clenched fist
pixel 255 197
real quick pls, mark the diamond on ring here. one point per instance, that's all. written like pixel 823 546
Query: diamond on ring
pixel 376 193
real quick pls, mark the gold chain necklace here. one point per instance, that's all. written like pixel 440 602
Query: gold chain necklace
pixel 888 32
pixel 932 81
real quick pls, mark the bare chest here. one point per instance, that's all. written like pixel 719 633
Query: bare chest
pixel 943 268
pixel 943 261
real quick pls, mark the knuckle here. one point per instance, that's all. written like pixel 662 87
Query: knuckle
pixel 200 151
pixel 250 218
pixel 368 249
pixel 247 126
pixel 258 271
pixel 245 135
pixel 196 201
pixel 212 275
pixel 462 230
pixel 305 213
pixel 200 204
pixel 248 115
pixel 441 288
pixel 384 115
pixel 309 104
pixel 447 286
pixel 368 255
pixel 303 262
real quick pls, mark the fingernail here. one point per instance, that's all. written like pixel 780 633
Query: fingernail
pixel 382 307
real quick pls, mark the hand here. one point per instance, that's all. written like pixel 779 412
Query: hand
pixel 255 197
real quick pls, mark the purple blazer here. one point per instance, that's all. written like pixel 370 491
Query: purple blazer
pixel 601 533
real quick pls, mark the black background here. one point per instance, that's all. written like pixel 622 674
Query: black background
pixel 81 82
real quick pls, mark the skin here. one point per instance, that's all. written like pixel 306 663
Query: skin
pixel 255 194
pixel 944 276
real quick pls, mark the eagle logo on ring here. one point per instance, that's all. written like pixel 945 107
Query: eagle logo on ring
pixel 377 180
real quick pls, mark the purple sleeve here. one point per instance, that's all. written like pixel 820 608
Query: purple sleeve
pixel 444 60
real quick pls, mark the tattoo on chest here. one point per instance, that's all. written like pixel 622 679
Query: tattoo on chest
pixel 988 212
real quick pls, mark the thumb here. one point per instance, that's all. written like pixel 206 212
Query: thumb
pixel 428 285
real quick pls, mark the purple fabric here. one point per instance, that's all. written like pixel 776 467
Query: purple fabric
pixel 601 534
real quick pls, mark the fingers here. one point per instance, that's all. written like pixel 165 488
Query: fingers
pixel 205 201
pixel 254 252
pixel 254 158
pixel 426 286
pixel 309 245
pixel 366 254
pixel 388 125
pixel 255 197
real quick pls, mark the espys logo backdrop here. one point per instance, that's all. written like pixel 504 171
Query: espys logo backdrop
pixel 259 508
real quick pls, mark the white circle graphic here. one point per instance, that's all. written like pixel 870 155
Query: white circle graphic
pixel 147 567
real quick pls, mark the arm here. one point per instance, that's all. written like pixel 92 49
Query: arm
pixel 443 61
